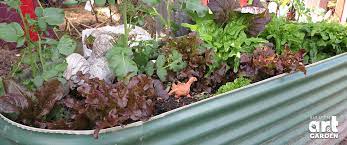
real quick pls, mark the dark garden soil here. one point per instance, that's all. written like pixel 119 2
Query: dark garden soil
pixel 173 103
pixel 8 58
pixel 343 142
pixel 82 19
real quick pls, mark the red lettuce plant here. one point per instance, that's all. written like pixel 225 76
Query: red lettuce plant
pixel 264 63
pixel 30 108
pixel 108 105
pixel 95 104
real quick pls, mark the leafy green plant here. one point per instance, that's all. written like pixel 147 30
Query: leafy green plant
pixel 126 62
pixel 281 33
pixel 46 57
pixel 49 16
pixel 120 57
pixel 12 32
pixel 52 60
pixel 169 5
pixel 237 83
pixel 321 40
pixel 121 62
pixel 195 6
pixel 144 53
pixel 171 62
pixel 190 6
pixel 228 42
pixel 137 12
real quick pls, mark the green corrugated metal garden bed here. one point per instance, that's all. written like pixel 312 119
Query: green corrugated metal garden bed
pixel 273 111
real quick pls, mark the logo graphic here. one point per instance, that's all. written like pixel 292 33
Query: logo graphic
pixel 323 129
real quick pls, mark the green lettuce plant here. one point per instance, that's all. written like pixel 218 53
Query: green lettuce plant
pixel 228 42
pixel 237 83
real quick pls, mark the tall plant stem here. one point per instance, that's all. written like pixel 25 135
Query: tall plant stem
pixel 29 42
pixel 40 54
pixel 168 9
pixel 25 25
pixel 94 11
pixel 125 19
pixel 40 42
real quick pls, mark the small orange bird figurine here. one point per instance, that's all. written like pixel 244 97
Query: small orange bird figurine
pixel 182 89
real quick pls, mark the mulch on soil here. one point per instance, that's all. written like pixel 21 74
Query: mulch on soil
pixel 343 142
pixel 8 58
pixel 82 19
pixel 173 103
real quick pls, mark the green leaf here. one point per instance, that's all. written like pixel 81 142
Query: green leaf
pixel 54 54
pixel 60 67
pixel 238 83
pixel 176 61
pixel 54 16
pixel 29 59
pixel 160 62
pixel 20 42
pixel 42 24
pixel 190 26
pixel 151 2
pixel 11 32
pixel 141 59
pixel 324 36
pixel 161 70
pixel 13 3
pixel 39 11
pixel 162 73
pixel 120 62
pixel 30 21
pixel 149 68
pixel 38 81
pixel 47 75
pixel 196 6
pixel 49 41
pixel 66 45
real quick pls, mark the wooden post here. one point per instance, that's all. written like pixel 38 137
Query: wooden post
pixel 340 10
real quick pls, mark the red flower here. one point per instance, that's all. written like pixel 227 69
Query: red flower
pixel 243 3
pixel 204 2
pixel 27 7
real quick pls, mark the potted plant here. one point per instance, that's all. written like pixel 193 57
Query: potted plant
pixel 214 66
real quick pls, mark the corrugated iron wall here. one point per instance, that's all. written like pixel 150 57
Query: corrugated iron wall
pixel 275 111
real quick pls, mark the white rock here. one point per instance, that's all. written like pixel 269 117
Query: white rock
pixel 272 7
pixel 76 63
pixel 139 33
pixel 99 69
pixel 94 61
pixel 102 44
pixel 96 67
pixel 88 5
